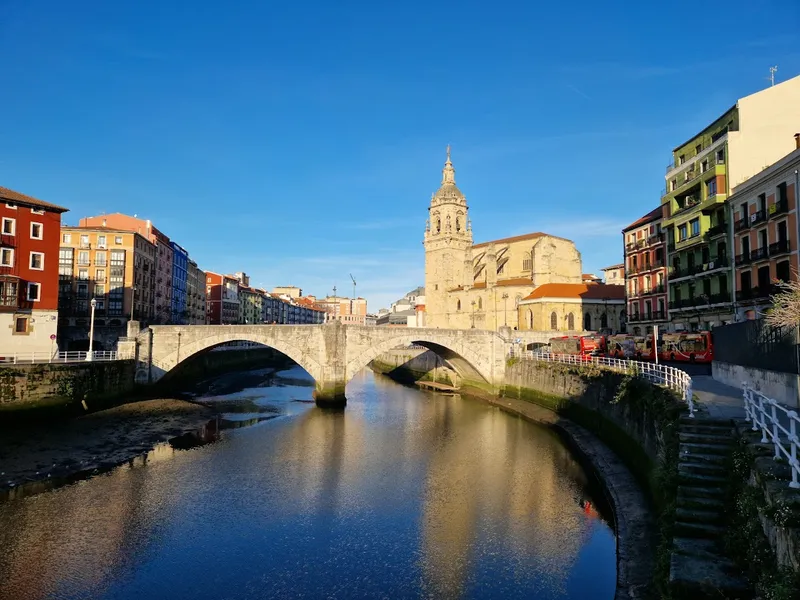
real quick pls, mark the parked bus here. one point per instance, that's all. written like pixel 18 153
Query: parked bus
pixel 621 346
pixel 585 345
pixel 686 347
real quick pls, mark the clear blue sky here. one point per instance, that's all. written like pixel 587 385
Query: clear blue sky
pixel 301 141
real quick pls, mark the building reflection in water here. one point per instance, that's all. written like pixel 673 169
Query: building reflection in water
pixel 403 491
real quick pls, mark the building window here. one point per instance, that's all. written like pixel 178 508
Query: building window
pixel 682 232
pixel 83 290
pixel 36 231
pixel 571 322
pixel 553 321
pixel 6 257
pixel 673 184
pixel 458 305
pixel 527 263
pixel 37 261
pixel 695 225
pixel 11 205
pixel 101 241
pixel 34 291
pixel 67 238
pixel 9 226
pixel 698 149
pixel 480 303
pixel 99 289
pixel 21 325
pixel 118 240
pixel 704 166
pixel 83 274
pixel 587 322
pixel 84 241
pixel 681 159
pixel 711 187
pixel 721 155
pixel 100 259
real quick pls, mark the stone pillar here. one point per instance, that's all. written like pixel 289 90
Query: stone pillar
pixel 469 271
pixel 491 267
pixel 332 381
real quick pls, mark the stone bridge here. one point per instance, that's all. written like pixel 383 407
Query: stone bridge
pixel 332 353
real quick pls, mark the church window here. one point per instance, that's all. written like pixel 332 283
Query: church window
pixel 526 262
pixel 458 224
pixel 438 225
pixel 458 305
pixel 480 304
pixel 603 321
pixel 571 322
pixel 553 321
pixel 587 322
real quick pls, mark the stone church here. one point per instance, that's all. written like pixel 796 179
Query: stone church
pixel 481 285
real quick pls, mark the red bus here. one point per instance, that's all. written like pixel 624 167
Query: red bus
pixel 621 346
pixel 686 347
pixel 585 345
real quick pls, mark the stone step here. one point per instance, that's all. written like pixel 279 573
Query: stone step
pixel 706 438
pixel 701 468
pixel 694 447
pixel 693 529
pixel 697 577
pixel 697 547
pixel 689 478
pixel 698 420
pixel 725 430
pixel 699 515
pixel 690 456
pixel 688 491
pixel 703 502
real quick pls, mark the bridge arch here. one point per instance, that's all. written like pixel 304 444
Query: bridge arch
pixel 464 359
pixel 279 343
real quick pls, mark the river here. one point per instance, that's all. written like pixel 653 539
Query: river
pixel 405 494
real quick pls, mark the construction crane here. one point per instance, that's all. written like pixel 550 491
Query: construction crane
pixel 354 286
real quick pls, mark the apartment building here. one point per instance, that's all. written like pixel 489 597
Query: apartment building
pixel 195 294
pixel 116 268
pixel 164 256
pixel 29 234
pixel 613 275
pixel 754 132
pixel 222 299
pixel 350 311
pixel 763 215
pixel 251 305
pixel 179 314
pixel 645 273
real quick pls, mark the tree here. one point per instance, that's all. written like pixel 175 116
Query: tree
pixel 785 310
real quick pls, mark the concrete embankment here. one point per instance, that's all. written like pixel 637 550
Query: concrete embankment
pixel 407 365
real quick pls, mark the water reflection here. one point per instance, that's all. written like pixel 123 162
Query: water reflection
pixel 404 494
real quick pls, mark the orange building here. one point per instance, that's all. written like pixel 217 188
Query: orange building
pixel 764 211
pixel 29 232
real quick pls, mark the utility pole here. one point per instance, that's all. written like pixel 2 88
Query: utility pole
pixel 505 309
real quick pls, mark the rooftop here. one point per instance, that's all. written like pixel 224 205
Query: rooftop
pixel 519 238
pixel 612 267
pixel 593 291
pixel 653 215
pixel 15 197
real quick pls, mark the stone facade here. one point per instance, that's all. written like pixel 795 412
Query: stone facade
pixel 573 308
pixel 480 285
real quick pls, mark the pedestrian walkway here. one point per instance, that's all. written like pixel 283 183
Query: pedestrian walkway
pixel 718 400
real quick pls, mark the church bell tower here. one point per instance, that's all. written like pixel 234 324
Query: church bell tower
pixel 448 247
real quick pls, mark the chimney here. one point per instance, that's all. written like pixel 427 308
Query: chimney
pixel 104 221
pixel 797 140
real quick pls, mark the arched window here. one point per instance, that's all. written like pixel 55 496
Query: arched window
pixel 571 322
pixel 587 322
pixel 458 224
pixel 458 305
pixel 526 262
pixel 604 321
pixel 530 318
pixel 480 304
pixel 438 225
pixel 553 321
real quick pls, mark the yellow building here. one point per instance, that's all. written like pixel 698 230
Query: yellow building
pixel 573 307
pixel 481 285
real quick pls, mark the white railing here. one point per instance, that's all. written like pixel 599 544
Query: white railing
pixel 58 357
pixel 671 377
pixel 772 419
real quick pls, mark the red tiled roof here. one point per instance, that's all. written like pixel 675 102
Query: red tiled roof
pixel 612 267
pixel 595 291
pixel 519 238
pixel 653 215
pixel 12 196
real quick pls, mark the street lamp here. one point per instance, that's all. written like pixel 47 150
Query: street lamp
pixel 505 309
pixel 91 330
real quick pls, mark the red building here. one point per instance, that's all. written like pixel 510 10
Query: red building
pixel 645 273
pixel 222 299
pixel 30 231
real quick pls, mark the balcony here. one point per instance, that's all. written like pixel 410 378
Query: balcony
pixel 11 296
pixel 688 271
pixel 780 207
pixel 759 254
pixel 84 246
pixel 741 224
pixel 658 289
pixel 779 247
pixel 690 202
pixel 755 293
pixel 716 263
pixel 656 238
pixel 717 230
pixel 720 298
pixel 758 217
pixel 742 259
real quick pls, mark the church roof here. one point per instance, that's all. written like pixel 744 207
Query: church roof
pixel 520 238
pixel 584 291
pixel 448 189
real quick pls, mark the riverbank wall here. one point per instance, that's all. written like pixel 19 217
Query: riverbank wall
pixel 408 365
pixel 50 390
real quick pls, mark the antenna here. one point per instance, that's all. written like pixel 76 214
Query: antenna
pixel 354 285
pixel 772 71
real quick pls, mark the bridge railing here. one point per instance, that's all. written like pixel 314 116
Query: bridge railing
pixel 778 424
pixel 21 358
pixel 671 377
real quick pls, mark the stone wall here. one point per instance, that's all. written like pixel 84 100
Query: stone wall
pixel 783 387
pixel 61 388
pixel 415 364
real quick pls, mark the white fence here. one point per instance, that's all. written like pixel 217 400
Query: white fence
pixel 58 357
pixel 673 378
pixel 778 424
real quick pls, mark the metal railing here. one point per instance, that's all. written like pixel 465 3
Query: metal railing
pixel 772 419
pixel 671 377
pixel 58 357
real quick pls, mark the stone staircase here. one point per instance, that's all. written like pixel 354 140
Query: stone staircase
pixel 699 567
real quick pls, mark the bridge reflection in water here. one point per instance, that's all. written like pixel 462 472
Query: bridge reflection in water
pixel 404 494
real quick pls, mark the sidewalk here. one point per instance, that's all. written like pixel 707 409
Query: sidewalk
pixel 717 400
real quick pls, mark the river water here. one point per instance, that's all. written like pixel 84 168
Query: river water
pixel 405 494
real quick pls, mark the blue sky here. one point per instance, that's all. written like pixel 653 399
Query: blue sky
pixel 301 141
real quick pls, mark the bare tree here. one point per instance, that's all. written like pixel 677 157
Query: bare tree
pixel 785 311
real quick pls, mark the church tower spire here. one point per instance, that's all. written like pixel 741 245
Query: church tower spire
pixel 448 173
